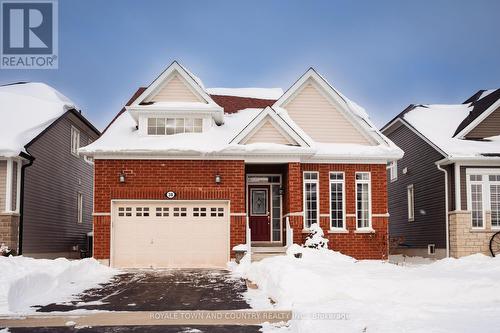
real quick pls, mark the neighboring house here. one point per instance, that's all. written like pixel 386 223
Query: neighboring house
pixel 45 185
pixel 181 170
pixel 444 195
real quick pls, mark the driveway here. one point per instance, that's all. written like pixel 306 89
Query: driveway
pixel 141 329
pixel 162 290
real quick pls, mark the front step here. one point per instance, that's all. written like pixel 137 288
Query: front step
pixel 262 252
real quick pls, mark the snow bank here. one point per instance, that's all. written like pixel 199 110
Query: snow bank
pixel 450 295
pixel 26 110
pixel 27 282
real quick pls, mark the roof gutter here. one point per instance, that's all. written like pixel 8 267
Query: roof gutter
pixel 30 159
pixel 446 207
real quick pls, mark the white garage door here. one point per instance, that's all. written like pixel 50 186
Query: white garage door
pixel 159 234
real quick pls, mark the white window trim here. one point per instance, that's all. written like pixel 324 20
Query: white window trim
pixel 75 131
pixel 485 193
pixel 175 119
pixel 497 227
pixel 309 181
pixel 79 209
pixel 336 181
pixel 393 171
pixel 411 208
pixel 369 182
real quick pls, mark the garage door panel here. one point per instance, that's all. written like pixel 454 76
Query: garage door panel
pixel 173 234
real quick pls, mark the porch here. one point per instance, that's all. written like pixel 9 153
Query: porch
pixel 268 229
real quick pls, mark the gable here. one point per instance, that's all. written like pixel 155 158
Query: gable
pixel 176 90
pixel 489 127
pixel 269 132
pixel 320 118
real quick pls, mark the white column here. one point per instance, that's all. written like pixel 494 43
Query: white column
pixel 458 202
pixel 8 186
pixel 18 183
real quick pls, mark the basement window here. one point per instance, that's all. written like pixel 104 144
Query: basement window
pixel 431 249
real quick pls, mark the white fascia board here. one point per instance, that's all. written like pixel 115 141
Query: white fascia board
pixel 255 122
pixel 478 120
pixel 151 110
pixel 174 67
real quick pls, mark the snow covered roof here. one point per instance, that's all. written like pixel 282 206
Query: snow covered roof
pixel 124 137
pixel 259 93
pixel 438 123
pixel 28 109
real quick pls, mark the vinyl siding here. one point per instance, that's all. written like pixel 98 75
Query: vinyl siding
pixel 428 226
pixel 3 177
pixel 14 186
pixel 320 119
pixel 490 126
pixel 51 187
pixel 176 90
pixel 270 134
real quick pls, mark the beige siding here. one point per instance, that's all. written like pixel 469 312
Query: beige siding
pixel 320 119
pixel 490 126
pixel 3 176
pixel 268 133
pixel 176 90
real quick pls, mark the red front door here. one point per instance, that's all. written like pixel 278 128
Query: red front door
pixel 259 212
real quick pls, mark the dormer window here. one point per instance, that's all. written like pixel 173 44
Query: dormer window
pixel 169 126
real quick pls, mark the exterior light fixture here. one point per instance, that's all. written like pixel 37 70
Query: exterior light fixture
pixel 122 177
pixel 218 179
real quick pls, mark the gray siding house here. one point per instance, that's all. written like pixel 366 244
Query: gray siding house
pixel 45 185
pixel 444 194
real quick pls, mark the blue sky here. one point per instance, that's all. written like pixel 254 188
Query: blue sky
pixel 382 54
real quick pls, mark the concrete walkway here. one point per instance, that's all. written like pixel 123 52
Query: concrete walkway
pixel 148 318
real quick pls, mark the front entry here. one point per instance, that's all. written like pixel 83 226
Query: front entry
pixel 259 206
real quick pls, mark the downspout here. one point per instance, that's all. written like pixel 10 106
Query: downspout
pixel 446 209
pixel 21 198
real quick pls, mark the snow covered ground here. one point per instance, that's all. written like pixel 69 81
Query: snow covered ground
pixel 450 295
pixel 26 282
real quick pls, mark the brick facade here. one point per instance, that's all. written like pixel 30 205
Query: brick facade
pixel 190 179
pixel 9 230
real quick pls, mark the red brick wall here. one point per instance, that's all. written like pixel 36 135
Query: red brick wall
pixel 358 245
pixel 150 179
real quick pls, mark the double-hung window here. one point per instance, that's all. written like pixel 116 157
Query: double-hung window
pixel 393 170
pixel 475 199
pixel 337 200
pixel 311 200
pixel 363 200
pixel 494 181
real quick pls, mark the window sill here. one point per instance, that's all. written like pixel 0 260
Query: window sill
pixel 338 231
pixel 483 230
pixel 306 231
pixel 364 231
